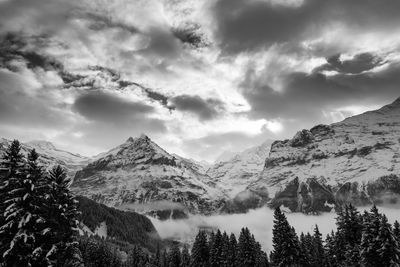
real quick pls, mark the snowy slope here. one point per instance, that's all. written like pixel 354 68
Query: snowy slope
pixel 236 173
pixel 355 160
pixel 50 155
pixel 142 176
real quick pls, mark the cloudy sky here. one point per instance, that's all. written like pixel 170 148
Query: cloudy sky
pixel 198 77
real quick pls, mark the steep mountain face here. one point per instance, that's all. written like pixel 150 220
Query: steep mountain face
pixel 141 176
pixel 50 155
pixel 356 160
pixel 236 173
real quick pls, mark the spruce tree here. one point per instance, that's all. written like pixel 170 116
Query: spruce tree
pixel 63 218
pixel 225 250
pixel 174 256
pixel 22 228
pixel 216 250
pixel 389 253
pixel 185 257
pixel 246 252
pixel 396 231
pixel 286 249
pixel 200 251
pixel 318 255
pixel 231 260
pixel 369 241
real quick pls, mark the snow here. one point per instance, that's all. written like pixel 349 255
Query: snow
pixel 378 131
pixel 101 230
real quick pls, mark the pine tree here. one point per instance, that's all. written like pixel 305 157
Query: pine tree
pixel 185 257
pixel 231 260
pixel 369 241
pixel 21 232
pixel 396 231
pixel 349 231
pixel 63 218
pixel 318 255
pixel 174 256
pixel 246 252
pixel 286 246
pixel 330 251
pixel 225 250
pixel 200 251
pixel 12 173
pixel 389 248
pixel 216 250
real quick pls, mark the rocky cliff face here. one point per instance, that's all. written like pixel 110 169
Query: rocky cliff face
pixel 141 176
pixel 356 160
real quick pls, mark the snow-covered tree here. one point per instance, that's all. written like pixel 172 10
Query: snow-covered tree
pixel 62 215
pixel 389 249
pixel 22 228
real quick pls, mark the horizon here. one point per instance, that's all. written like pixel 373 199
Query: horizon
pixel 223 153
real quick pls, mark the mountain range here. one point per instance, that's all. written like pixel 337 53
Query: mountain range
pixel 356 160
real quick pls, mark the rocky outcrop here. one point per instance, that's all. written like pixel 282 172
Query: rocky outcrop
pixel 356 160
pixel 139 175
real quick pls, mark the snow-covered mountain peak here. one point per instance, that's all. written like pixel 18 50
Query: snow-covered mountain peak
pixel 45 145
pixel 329 163
pixel 139 174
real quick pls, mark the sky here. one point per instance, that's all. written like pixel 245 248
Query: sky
pixel 198 77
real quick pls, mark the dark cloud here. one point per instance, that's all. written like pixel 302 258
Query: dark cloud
pixel 101 106
pixel 205 109
pixel 305 97
pixel 359 63
pixel 243 25
pixel 191 34
pixel 99 22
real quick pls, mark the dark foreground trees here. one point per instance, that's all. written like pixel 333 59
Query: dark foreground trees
pixel 365 240
pixel 38 216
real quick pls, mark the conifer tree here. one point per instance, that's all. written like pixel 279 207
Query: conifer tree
pixel 396 231
pixel 63 218
pixel 231 260
pixel 369 241
pixel 225 250
pixel 389 249
pixel 330 251
pixel 200 251
pixel 285 242
pixel 23 223
pixel 216 250
pixel 318 255
pixel 185 261
pixel 174 256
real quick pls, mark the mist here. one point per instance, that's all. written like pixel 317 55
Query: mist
pixel 259 221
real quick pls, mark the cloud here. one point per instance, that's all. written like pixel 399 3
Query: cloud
pixel 205 109
pixel 250 25
pixel 359 63
pixel 259 221
pixel 304 99
pixel 106 107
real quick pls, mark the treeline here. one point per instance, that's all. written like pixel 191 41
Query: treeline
pixel 361 240
pixel 129 227
pixel 209 250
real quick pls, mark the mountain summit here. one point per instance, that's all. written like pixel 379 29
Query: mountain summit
pixel 140 175
pixel 356 160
